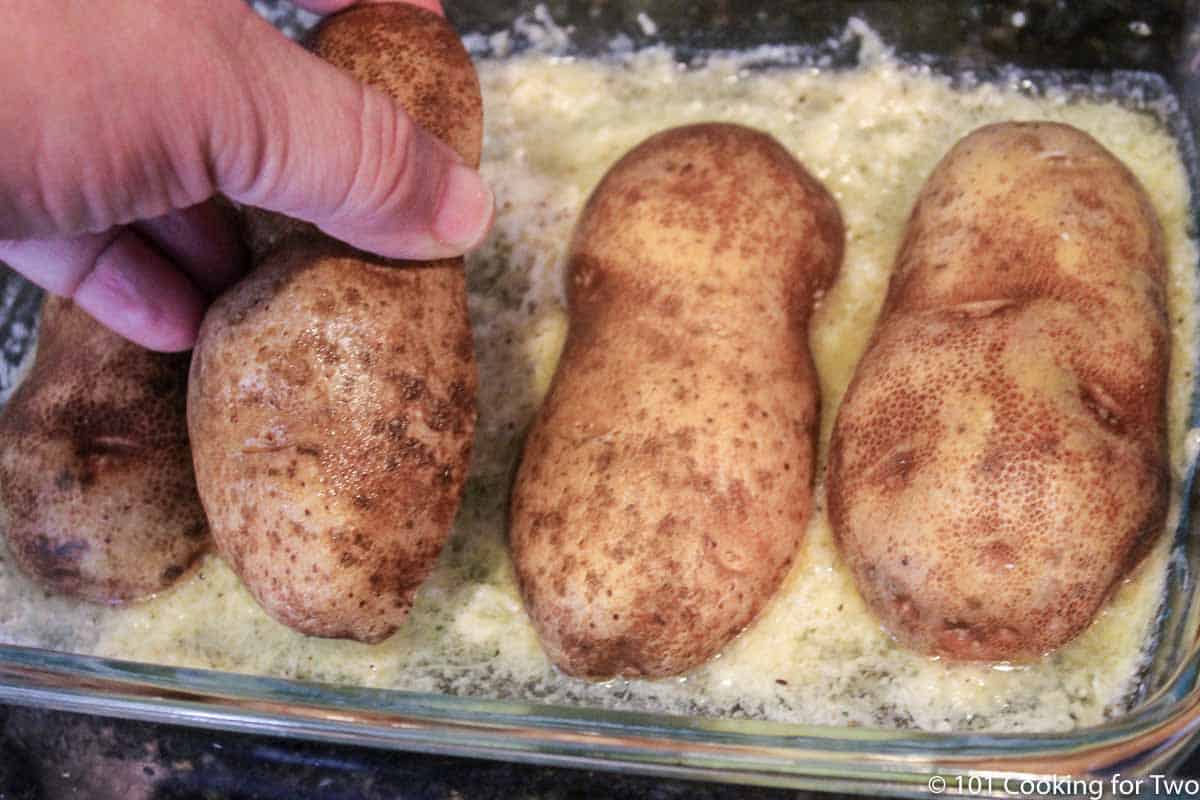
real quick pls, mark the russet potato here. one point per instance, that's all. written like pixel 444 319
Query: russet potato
pixel 332 396
pixel 97 497
pixel 998 463
pixel 665 484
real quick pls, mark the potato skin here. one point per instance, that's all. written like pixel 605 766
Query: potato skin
pixel 332 420
pixel 999 461
pixel 666 482
pixel 332 396
pixel 97 497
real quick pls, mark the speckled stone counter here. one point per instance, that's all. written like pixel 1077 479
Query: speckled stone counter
pixel 46 755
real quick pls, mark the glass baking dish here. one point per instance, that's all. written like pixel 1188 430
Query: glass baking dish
pixel 1161 38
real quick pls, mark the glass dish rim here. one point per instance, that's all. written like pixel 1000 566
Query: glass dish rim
pixel 1152 736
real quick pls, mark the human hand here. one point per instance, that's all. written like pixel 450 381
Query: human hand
pixel 121 120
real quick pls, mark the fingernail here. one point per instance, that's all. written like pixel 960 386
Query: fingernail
pixel 465 214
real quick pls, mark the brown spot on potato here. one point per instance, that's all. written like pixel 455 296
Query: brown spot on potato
pixel 894 472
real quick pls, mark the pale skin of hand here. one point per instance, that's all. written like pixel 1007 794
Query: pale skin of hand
pixel 122 119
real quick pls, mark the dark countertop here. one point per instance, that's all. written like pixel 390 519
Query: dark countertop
pixel 47 755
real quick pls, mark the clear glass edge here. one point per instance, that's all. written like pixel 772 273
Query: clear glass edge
pixel 1155 735
pixel 1149 739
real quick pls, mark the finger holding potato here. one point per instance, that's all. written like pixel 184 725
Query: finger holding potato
pixel 999 461
pixel 97 494
pixel 666 482
pixel 332 396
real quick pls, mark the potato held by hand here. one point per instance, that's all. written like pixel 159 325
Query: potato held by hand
pixel 998 463
pixel 97 497
pixel 667 480
pixel 332 400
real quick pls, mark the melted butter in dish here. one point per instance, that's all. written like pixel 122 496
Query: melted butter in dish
pixel 554 125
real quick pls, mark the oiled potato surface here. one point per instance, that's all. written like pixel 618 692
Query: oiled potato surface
pixel 97 497
pixel 666 482
pixel 332 398
pixel 999 461
pixel 332 423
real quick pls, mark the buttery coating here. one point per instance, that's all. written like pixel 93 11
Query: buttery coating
pixel 97 497
pixel 332 396
pixel 666 483
pixel 999 461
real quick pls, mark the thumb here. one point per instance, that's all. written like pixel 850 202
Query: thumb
pixel 306 139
